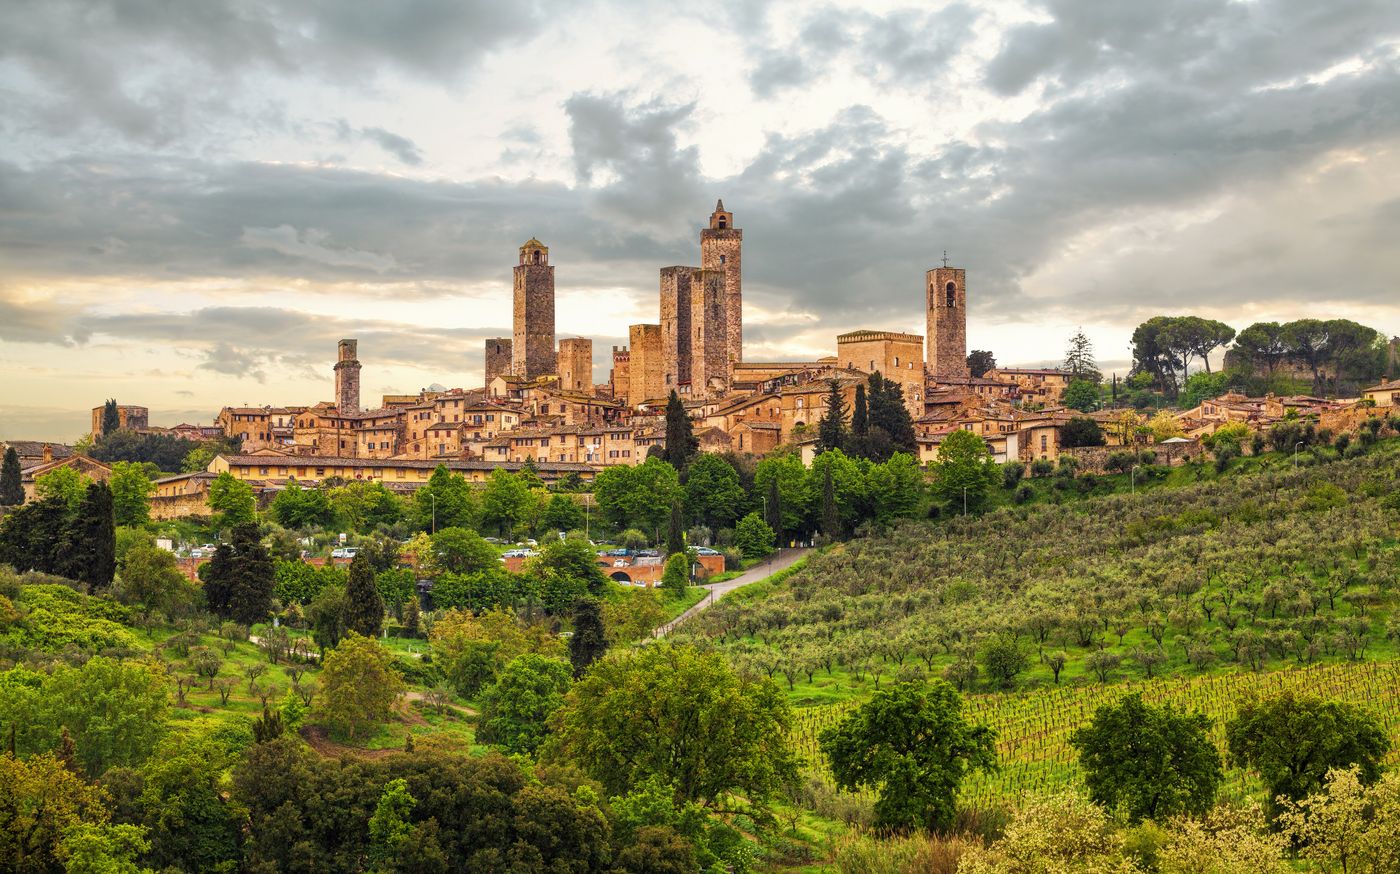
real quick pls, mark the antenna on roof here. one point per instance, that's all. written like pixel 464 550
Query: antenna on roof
pixel 945 257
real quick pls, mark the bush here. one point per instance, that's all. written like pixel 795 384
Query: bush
pixel 1042 467
pixel 1023 494
pixel 1011 473
pixel 753 536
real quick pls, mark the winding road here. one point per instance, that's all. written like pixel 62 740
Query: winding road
pixel 780 560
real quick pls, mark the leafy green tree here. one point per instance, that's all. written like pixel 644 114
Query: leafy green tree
pixel 516 709
pixel 446 501
pixel 363 505
pixel 390 827
pixel 848 484
pixel 979 361
pixel 681 717
pixel 1152 762
pixel 461 551
pixel 713 492
pixel 131 493
pixel 896 488
pixel 150 577
pixel 11 486
pixel 33 537
pixel 300 509
pixel 504 502
pixel 359 686
pixel 42 802
pixel 753 536
pixel 327 614
pixel 191 825
pixel 831 430
pixel 1262 345
pixel 1292 741
pixel 364 609
pixel 964 473
pixel 1081 395
pixel 681 444
pixel 89 848
pixel 231 499
pixel 114 712
pixel 241 577
pixel 561 513
pixel 574 559
pixel 789 477
pixel 891 427
pixel 675 577
pixel 90 540
pixel 62 482
pixel 1004 658
pixel 590 639
pixel 638 497
pixel 1081 431
pixel 912 745
pixel 165 451
pixel 1201 386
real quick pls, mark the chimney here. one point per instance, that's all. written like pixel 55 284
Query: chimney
pixel 48 453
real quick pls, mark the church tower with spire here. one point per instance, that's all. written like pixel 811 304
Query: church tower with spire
pixel 721 245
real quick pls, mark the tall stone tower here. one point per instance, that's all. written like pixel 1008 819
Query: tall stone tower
pixel 721 245
pixel 576 365
pixel 676 328
pixel 532 350
pixel 710 364
pixel 644 370
pixel 347 377
pixel 947 322
pixel 498 358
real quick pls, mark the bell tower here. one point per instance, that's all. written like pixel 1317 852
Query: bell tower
pixel 721 248
pixel 347 377
pixel 532 345
pixel 946 290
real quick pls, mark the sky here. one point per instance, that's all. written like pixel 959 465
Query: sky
pixel 197 200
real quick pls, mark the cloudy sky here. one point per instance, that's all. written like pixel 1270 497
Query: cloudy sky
pixel 197 199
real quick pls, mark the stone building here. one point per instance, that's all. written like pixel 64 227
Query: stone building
pixel 498 357
pixel 532 348
pixel 644 366
pixel 897 357
pixel 676 333
pixel 947 323
pixel 710 361
pixel 576 365
pixel 618 379
pixel 129 416
pixel 347 377
pixel 721 246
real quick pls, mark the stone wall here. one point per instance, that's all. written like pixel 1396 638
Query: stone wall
pixel 947 322
pixel 1094 459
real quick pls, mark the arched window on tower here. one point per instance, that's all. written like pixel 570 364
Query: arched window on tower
pixel 537 256
pixel 952 290
pixel 723 223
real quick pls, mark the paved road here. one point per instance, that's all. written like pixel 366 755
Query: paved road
pixel 783 559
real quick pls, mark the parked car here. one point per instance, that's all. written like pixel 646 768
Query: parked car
pixel 492 539
pixel 705 550
pixel 345 552
pixel 649 553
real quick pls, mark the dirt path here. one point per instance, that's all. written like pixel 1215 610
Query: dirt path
pixel 781 560
pixel 316 736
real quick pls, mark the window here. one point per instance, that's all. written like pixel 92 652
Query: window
pixel 801 402
pixel 537 257
pixel 721 258
pixel 262 471
pixel 896 361
pixel 320 472
pixel 723 223
pixel 952 290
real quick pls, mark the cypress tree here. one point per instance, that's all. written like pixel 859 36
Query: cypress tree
pixel 775 509
pixel 860 415
pixel 364 608
pixel 90 540
pixel 111 421
pixel 831 431
pixel 681 444
pixel 11 489
pixel 589 641
pixel 831 518
pixel 675 535
pixel 240 579
pixel 891 426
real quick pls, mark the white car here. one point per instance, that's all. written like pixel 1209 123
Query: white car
pixel 345 552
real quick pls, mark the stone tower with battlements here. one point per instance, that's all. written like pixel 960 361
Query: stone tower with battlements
pixel 532 348
pixel 347 377
pixel 644 367
pixel 721 246
pixel 946 289
pixel 498 358
pixel 576 365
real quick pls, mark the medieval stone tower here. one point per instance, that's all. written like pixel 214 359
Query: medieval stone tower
pixel 721 245
pixel 676 328
pixel 576 365
pixel 710 362
pixel 947 322
pixel 532 349
pixel 498 358
pixel 347 378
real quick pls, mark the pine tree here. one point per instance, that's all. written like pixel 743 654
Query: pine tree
pixel 675 535
pixel 1079 359
pixel 412 615
pixel 90 540
pixel 681 445
pixel 111 420
pixel 676 575
pixel 11 489
pixel 831 431
pixel 364 608
pixel 239 582
pixel 831 517
pixel 891 427
pixel 589 641
pixel 774 507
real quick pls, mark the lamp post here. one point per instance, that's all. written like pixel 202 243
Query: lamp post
pixel 1295 454
pixel 964 500
pixel 1132 480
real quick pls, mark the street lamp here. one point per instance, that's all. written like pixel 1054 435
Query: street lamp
pixel 1295 454
pixel 964 500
